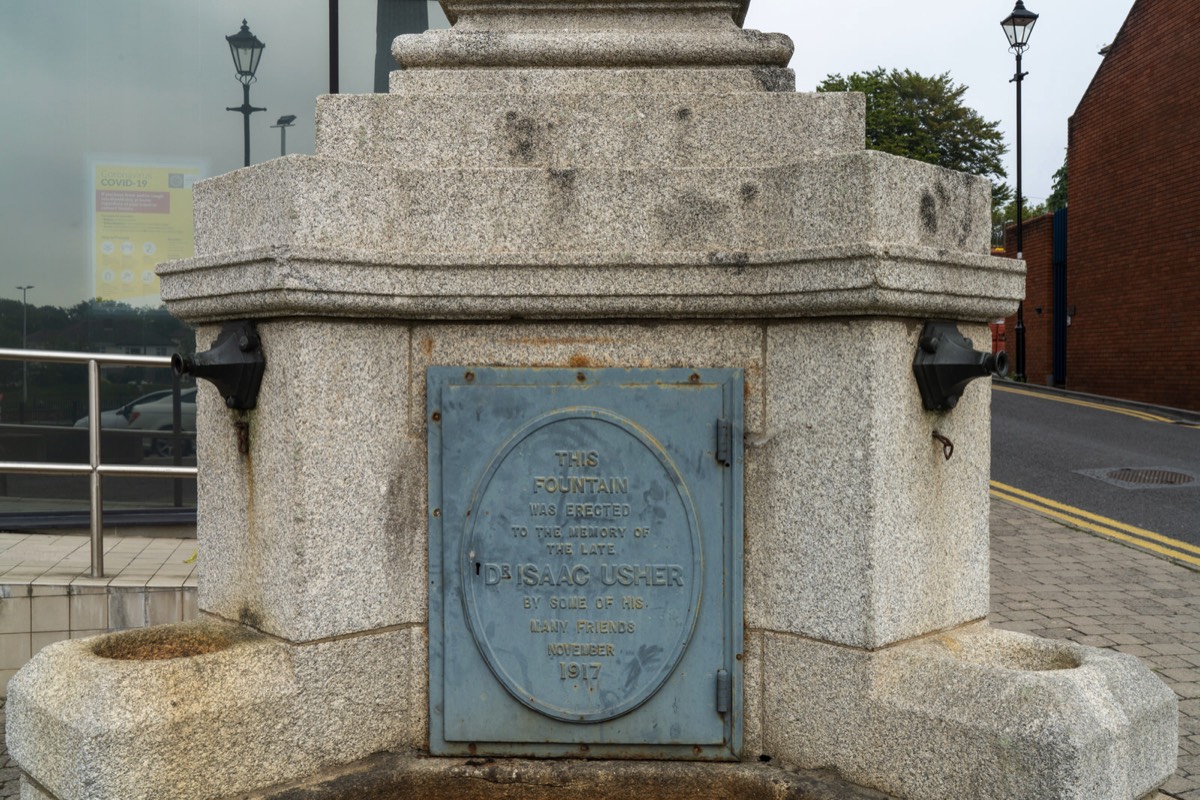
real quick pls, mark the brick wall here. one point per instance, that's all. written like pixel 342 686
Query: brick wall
pixel 1038 236
pixel 1133 270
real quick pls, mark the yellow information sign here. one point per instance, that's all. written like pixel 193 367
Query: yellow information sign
pixel 142 216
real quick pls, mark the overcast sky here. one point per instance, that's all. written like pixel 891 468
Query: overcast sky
pixel 148 80
pixel 962 37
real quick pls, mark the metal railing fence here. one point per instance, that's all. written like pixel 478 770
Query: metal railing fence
pixel 95 469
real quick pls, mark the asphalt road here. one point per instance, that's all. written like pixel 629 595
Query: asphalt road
pixel 1041 442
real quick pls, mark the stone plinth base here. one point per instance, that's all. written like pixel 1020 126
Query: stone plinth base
pixel 415 777
pixel 972 712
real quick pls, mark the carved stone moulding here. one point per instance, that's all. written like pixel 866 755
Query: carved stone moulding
pixel 593 33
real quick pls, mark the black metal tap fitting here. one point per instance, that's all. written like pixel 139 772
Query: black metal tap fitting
pixel 946 362
pixel 234 365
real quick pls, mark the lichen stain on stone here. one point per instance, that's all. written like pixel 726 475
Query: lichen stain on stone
pixel 691 219
pixel 738 259
pixel 749 191
pixel 564 203
pixel 965 209
pixel 563 179
pixel 772 79
pixel 929 212
pixel 166 641
pixel 248 616
pixel 683 114
pixel 524 135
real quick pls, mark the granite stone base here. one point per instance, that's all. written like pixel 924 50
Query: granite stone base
pixel 254 712
pixel 974 712
pixel 412 776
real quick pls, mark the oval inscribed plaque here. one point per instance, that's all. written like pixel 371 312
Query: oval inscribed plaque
pixel 581 565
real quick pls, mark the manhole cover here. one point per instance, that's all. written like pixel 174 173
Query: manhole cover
pixel 1143 477
pixel 1151 476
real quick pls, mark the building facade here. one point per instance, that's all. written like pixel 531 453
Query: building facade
pixel 1134 233
pixel 1039 317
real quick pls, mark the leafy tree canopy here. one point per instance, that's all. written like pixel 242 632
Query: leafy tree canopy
pixel 1006 214
pixel 1058 189
pixel 1028 210
pixel 924 118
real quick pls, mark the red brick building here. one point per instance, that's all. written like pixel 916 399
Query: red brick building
pixel 1133 238
pixel 1038 235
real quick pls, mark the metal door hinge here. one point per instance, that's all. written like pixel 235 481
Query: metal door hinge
pixel 725 442
pixel 724 691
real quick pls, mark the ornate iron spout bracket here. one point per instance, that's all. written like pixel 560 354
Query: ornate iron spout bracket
pixel 234 365
pixel 946 362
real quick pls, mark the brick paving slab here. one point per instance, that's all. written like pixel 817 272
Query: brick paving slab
pixel 1054 581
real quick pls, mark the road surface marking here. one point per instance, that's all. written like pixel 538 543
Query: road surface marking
pixel 1111 528
pixel 1144 415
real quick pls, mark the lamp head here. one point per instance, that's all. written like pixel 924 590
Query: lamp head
pixel 1018 26
pixel 246 50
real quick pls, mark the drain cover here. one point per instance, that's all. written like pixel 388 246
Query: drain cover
pixel 1143 477
pixel 1151 476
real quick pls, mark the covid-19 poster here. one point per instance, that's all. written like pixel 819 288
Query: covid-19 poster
pixel 142 216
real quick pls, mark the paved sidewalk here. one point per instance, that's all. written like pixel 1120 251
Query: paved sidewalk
pixel 1053 581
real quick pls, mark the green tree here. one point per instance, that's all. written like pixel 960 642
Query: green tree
pixel 1058 189
pixel 1028 210
pixel 923 117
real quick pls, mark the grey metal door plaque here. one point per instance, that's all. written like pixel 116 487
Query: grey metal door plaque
pixel 585 556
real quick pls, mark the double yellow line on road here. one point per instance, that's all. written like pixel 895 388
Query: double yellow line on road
pixel 1111 528
pixel 1129 412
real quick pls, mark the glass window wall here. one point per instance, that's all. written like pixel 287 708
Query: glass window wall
pixel 115 110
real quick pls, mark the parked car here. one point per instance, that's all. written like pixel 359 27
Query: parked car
pixel 158 415
pixel 119 417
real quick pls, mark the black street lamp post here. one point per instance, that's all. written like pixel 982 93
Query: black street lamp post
pixel 1017 27
pixel 246 50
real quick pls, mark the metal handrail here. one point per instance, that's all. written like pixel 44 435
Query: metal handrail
pixel 94 469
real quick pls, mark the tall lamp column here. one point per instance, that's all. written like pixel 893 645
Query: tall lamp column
pixel 246 50
pixel 24 290
pixel 1017 27
pixel 283 124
